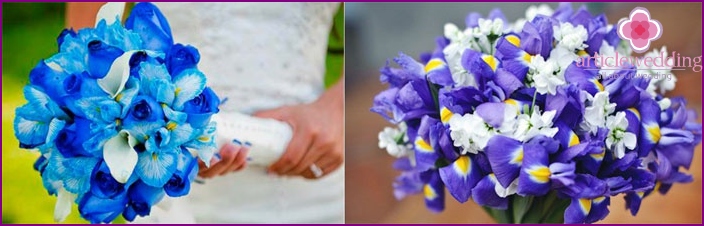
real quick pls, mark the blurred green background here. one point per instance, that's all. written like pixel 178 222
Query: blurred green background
pixel 29 35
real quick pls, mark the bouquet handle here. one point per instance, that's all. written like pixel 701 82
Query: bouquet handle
pixel 268 137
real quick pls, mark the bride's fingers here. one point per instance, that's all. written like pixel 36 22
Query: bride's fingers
pixel 227 157
pixel 300 143
pixel 311 156
pixel 240 159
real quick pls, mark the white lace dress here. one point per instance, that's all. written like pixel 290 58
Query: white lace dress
pixel 259 56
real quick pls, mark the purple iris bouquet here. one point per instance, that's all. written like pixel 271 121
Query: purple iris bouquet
pixel 120 115
pixel 521 119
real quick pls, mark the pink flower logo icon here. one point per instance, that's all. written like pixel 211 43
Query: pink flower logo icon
pixel 639 29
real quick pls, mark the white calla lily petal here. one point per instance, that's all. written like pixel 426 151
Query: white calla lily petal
pixel 120 156
pixel 64 201
pixel 114 81
pixel 111 12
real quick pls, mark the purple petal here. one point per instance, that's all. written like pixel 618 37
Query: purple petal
pixel 485 195
pixel 505 156
pixel 492 113
pixel 460 177
pixel 534 177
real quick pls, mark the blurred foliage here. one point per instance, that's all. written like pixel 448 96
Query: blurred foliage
pixel 29 35
pixel 334 61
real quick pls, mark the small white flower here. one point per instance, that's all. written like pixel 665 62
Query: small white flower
pixel 545 75
pixel 661 77
pixel 619 139
pixel 570 37
pixel 487 27
pixel 665 103
pixel 563 57
pixel 534 125
pixel 595 114
pixel 394 141
pixel 534 11
pixel 466 130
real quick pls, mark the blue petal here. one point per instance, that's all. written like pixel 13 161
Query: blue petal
pixel 485 195
pixel 472 20
pixel 599 209
pixel 142 197
pixel 100 58
pixel 101 210
pixel 537 36
pixel 151 25
pixel 650 133
pixel 506 157
pixel 633 201
pixel 577 211
pixel 180 182
pixel 189 84
pixel 76 173
pixel 384 105
pixel 156 168
pixel 563 12
pixel 568 103
pixel 460 177
pixel 587 80
pixel 181 57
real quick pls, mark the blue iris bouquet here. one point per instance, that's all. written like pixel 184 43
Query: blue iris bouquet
pixel 512 116
pixel 120 115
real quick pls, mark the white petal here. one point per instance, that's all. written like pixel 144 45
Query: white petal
pixel 505 192
pixel 630 140
pixel 110 12
pixel 64 201
pixel 116 78
pixel 120 155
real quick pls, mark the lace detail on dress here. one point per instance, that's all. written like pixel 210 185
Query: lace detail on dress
pixel 259 56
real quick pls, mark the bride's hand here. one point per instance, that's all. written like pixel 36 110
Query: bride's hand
pixel 317 135
pixel 233 157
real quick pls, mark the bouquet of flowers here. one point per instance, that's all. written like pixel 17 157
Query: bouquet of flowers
pixel 518 117
pixel 120 115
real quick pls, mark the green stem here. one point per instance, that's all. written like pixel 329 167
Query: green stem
pixel 532 105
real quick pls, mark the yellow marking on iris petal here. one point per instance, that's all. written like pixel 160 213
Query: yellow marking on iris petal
pixel 540 174
pixel 513 40
pixel 423 146
pixel 514 103
pixel 463 164
pixel 119 97
pixel 635 112
pixel 146 137
pixel 640 194
pixel 154 156
pixel 445 115
pixel 654 132
pixel 598 156
pixel 433 64
pixel 177 90
pixel 574 139
pixel 118 122
pixel 171 126
pixel 586 205
pixel 598 85
pixel 518 157
pixel 204 139
pixel 599 200
pixel 527 57
pixel 582 53
pixel 657 186
pixel 491 61
pixel 429 192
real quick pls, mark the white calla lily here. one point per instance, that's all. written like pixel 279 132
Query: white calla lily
pixel 64 202
pixel 110 12
pixel 120 156
pixel 114 81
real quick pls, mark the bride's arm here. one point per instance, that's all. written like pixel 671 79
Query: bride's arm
pixel 81 14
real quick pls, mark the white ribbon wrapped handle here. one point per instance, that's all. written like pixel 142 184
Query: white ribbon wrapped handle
pixel 268 137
